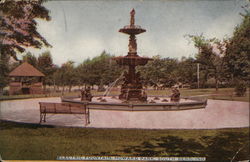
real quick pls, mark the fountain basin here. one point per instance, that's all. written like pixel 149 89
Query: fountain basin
pixel 132 60
pixel 160 104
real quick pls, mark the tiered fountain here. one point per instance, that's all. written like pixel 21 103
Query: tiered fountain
pixel 133 97
pixel 132 89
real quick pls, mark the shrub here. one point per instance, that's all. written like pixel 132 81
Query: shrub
pixel 193 86
pixel 19 92
pixel 5 92
pixel 240 88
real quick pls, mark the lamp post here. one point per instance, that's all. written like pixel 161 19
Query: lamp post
pixel 198 75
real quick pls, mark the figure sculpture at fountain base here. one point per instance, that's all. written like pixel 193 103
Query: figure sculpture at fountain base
pixel 86 94
pixel 175 97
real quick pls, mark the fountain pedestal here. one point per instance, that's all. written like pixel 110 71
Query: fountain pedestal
pixel 132 89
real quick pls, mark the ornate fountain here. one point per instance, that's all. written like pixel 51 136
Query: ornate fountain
pixel 132 89
pixel 133 97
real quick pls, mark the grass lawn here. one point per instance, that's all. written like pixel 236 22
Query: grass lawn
pixel 34 142
pixel 15 97
pixel 221 94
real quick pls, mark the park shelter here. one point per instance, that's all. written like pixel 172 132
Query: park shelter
pixel 26 79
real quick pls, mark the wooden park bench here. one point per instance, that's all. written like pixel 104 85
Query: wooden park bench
pixel 63 108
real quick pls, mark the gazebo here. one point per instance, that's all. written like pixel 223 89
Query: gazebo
pixel 26 79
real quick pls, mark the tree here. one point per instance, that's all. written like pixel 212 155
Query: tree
pixel 237 54
pixel 55 77
pixel 4 70
pixel 152 72
pixel 186 70
pixel 83 72
pixel 66 75
pixel 110 70
pixel 212 62
pixel 101 70
pixel 171 76
pixel 46 66
pixel 18 25
pixel 159 71
pixel 31 59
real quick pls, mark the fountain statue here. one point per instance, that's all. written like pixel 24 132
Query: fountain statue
pixel 132 89
pixel 175 96
pixel 86 94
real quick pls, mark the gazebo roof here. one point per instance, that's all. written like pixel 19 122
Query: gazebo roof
pixel 25 69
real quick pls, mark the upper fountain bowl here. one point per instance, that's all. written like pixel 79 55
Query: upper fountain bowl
pixel 132 29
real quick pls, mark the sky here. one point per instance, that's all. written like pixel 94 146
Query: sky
pixel 83 29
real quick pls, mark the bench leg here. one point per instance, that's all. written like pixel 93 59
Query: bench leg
pixel 42 117
pixel 88 117
pixel 87 121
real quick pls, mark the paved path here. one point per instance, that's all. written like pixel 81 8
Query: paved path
pixel 217 114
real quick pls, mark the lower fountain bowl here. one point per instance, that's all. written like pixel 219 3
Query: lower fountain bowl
pixel 162 103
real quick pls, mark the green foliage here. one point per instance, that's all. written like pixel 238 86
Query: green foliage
pixel 238 51
pixel 186 70
pixel 231 61
pixel 46 66
pixel 5 93
pixel 99 70
pixel 4 71
pixel 212 62
pixel 166 72
pixel 31 59
pixel 18 25
pixel 66 75
pixel 102 70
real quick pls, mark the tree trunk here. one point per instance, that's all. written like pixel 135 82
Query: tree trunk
pixel 216 81
pixel 63 89
pixel 1 91
pixel 44 88
pixel 54 86
pixel 232 80
pixel 216 84
pixel 203 82
pixel 70 86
